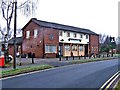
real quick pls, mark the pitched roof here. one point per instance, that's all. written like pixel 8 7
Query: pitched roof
pixel 60 26
pixel 18 40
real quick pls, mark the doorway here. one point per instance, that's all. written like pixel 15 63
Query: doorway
pixel 86 49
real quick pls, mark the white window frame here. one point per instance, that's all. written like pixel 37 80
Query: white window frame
pixel 75 35
pixel 60 33
pixel 81 36
pixel 35 33
pixel 27 34
pixel 49 48
pixel 67 48
pixel 67 34
pixel 81 48
pixel 87 36
pixel 74 48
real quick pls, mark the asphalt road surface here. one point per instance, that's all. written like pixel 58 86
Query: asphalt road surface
pixel 87 75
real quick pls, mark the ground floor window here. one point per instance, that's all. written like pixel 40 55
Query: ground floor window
pixel 67 47
pixel 74 48
pixel 81 48
pixel 50 49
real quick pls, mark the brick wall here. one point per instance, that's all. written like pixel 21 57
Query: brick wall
pixel 36 45
pixel 11 49
pixel 51 37
pixel 94 44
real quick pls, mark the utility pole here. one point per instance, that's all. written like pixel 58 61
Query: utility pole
pixel 15 24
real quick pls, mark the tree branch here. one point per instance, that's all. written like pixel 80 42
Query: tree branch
pixel 10 17
pixel 2 32
pixel 22 5
pixel 3 10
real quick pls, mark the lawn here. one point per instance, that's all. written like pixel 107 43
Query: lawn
pixel 89 60
pixel 23 70
pixel 118 86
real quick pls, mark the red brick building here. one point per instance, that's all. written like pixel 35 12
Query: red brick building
pixel 47 39
pixel 18 45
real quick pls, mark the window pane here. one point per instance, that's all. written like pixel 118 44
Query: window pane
pixel 86 36
pixel 27 34
pixel 60 33
pixel 81 48
pixel 67 47
pixel 75 35
pixel 35 33
pixel 81 36
pixel 50 49
pixel 68 34
pixel 74 48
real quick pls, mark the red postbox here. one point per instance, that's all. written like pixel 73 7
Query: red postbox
pixel 2 61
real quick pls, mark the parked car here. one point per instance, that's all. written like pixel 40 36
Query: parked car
pixel 9 58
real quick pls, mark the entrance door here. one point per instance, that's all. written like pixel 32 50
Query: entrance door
pixel 86 49
pixel 61 49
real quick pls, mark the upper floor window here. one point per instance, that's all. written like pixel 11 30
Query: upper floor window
pixel 27 34
pixel 60 33
pixel 81 36
pixel 68 34
pixel 35 33
pixel 75 35
pixel 87 36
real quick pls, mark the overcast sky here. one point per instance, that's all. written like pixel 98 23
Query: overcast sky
pixel 100 16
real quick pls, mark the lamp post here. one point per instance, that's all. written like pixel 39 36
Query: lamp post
pixel 6 47
pixel 15 24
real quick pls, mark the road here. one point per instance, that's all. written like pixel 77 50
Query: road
pixel 87 75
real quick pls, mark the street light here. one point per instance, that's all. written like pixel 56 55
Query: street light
pixel 15 24
pixel 6 47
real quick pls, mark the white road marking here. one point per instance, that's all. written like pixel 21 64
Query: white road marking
pixel 108 80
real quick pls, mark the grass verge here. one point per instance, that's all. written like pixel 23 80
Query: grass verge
pixel 90 60
pixel 42 67
pixel 118 86
pixel 23 70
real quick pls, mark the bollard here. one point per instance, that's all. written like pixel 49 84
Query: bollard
pixel 79 57
pixel 20 57
pixel 73 57
pixel 84 57
pixel 99 56
pixel 94 56
pixel 89 57
pixel 32 60
pixel 32 55
pixel 66 57
pixel 103 56
pixel 108 55
pixel 59 58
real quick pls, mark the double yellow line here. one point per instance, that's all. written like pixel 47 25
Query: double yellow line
pixel 109 82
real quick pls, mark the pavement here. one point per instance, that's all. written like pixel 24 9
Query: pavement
pixel 27 62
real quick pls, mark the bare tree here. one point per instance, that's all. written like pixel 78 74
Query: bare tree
pixel 118 44
pixel 102 38
pixel 7 9
pixel 27 7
